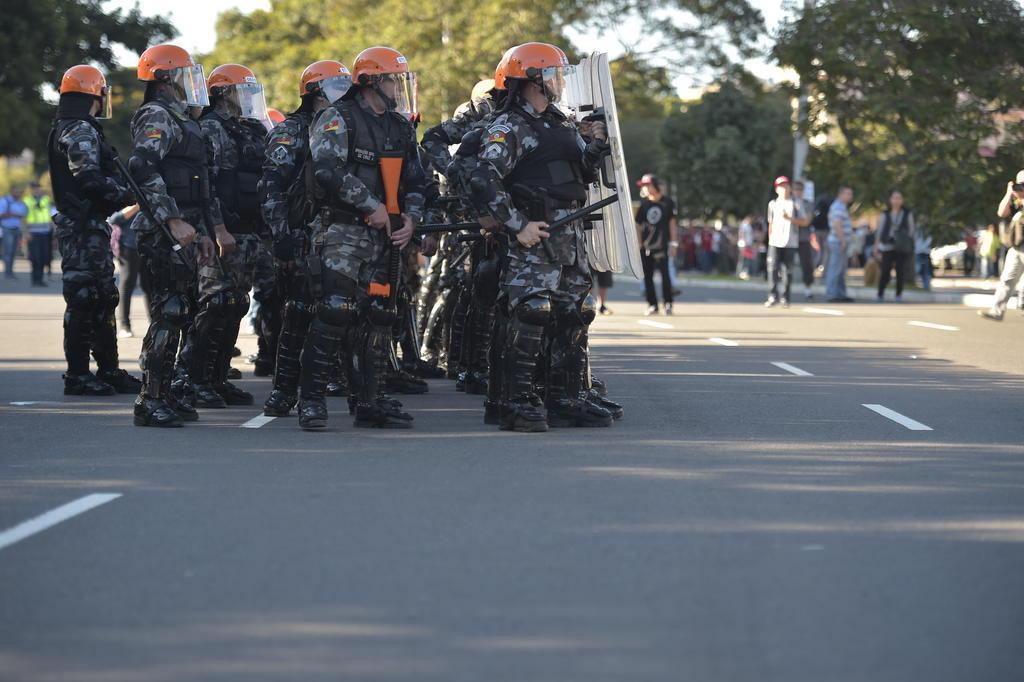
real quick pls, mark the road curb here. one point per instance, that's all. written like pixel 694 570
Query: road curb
pixel 973 300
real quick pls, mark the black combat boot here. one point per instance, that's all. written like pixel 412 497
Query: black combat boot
pixel 86 384
pixel 122 381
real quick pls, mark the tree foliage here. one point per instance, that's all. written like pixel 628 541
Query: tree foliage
pixel 723 150
pixel 41 39
pixel 907 93
pixel 450 45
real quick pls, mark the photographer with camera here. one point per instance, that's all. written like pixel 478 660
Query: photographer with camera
pixel 1013 237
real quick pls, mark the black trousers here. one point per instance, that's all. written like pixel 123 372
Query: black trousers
pixel 656 261
pixel 806 254
pixel 890 258
pixel 131 274
pixel 39 245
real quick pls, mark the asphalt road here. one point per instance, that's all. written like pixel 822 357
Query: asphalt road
pixel 746 521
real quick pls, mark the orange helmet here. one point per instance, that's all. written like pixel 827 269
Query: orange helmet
pixel 540 63
pixel 87 80
pixel 229 74
pixel 387 71
pixel 157 62
pixel 172 64
pixel 275 115
pixel 499 71
pixel 237 86
pixel 377 61
pixel 526 61
pixel 329 76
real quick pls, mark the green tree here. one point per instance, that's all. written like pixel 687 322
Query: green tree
pixel 907 93
pixel 723 150
pixel 692 35
pixel 450 45
pixel 644 96
pixel 42 38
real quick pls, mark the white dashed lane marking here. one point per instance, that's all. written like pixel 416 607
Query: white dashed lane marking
pixel 824 311
pixel 257 422
pixel 901 419
pixel 53 517
pixel 792 370
pixel 723 342
pixel 933 325
pixel 656 325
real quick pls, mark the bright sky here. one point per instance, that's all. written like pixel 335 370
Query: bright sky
pixel 196 23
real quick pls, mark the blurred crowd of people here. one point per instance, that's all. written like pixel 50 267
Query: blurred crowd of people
pixel 800 240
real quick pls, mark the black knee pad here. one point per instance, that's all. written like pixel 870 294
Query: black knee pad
pixel 377 315
pixel 588 310
pixel 297 313
pixel 81 296
pixel 218 304
pixel 337 310
pixel 535 310
pixel 174 310
pixel 486 281
pixel 109 296
pixel 240 305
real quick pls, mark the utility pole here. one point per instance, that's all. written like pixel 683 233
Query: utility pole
pixel 800 143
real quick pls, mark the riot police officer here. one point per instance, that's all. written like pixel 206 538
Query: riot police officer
pixel 87 188
pixel 169 162
pixel 234 128
pixel 532 168
pixel 286 209
pixel 352 143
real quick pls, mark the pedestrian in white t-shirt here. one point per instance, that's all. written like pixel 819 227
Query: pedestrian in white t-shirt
pixel 785 218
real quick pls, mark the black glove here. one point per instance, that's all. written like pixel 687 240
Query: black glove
pixel 119 195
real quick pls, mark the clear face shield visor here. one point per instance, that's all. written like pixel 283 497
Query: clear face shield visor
pixel 106 106
pixel 553 80
pixel 335 87
pixel 246 100
pixel 190 83
pixel 400 92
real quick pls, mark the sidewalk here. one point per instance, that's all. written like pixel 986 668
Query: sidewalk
pixel 970 291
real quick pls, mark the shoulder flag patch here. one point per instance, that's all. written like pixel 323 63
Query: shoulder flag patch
pixel 153 133
pixel 331 126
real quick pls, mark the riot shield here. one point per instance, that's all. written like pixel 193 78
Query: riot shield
pixel 612 243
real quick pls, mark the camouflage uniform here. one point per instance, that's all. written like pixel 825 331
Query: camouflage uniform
pixel 345 142
pixel 536 167
pixel 87 188
pixel 268 290
pixel 443 315
pixel 235 151
pixel 286 154
pixel 437 140
pixel 170 163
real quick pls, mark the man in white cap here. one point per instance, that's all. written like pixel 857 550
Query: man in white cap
pixel 785 217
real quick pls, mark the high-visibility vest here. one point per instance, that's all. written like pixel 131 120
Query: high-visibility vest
pixel 39 210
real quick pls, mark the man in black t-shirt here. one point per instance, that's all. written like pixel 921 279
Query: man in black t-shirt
pixel 656 219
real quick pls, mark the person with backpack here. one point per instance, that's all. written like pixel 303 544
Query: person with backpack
pixel 894 243
pixel 287 212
